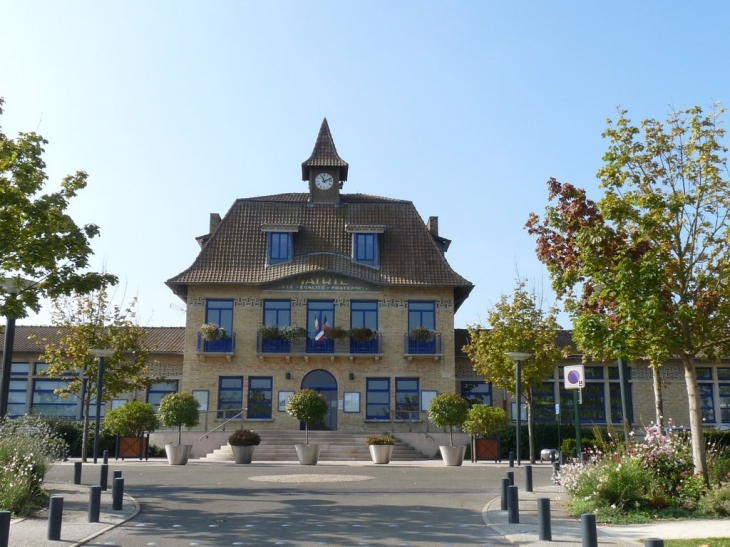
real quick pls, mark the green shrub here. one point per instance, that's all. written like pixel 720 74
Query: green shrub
pixel 716 502
pixel 28 447
pixel 244 437
pixel 485 421
pixel 178 410
pixel 131 419
pixel 307 406
pixel 382 439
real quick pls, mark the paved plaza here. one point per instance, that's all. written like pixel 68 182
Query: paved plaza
pixel 409 504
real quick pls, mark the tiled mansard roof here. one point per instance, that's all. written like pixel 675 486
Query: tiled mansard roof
pixel 236 252
pixel 159 340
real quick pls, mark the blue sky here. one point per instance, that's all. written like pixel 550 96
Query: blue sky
pixel 175 109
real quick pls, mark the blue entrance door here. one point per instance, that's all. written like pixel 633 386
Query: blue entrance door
pixel 325 383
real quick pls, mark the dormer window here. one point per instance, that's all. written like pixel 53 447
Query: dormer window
pixel 365 244
pixel 279 247
pixel 279 243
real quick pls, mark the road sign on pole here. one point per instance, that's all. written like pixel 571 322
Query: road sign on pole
pixel 574 377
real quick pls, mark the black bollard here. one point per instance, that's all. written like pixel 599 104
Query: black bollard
pixel 556 471
pixel 77 472
pixel 94 502
pixel 118 494
pixel 543 519
pixel 528 478
pixel 653 542
pixel 505 485
pixel 588 530
pixel 4 528
pixel 511 477
pixel 55 518
pixel 104 476
pixel 511 459
pixel 552 457
pixel 513 506
pixel 117 475
pixel 106 456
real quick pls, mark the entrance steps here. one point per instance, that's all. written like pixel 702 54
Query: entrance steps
pixel 335 446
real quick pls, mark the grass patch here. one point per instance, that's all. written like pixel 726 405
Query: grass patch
pixel 708 542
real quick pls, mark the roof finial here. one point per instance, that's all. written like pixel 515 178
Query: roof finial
pixel 325 154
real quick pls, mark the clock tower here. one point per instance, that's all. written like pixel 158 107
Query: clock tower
pixel 324 170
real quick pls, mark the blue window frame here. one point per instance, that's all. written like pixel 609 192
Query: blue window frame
pixel 707 400
pixel 18 392
pixel 543 402
pixel 230 396
pixel 477 392
pixel 276 312
pixel 220 312
pixel 280 247
pixel 421 314
pixel 365 249
pixel 320 317
pixel 364 314
pixel 377 399
pixel 407 398
pixel 259 397
pixel 157 391
pixel 47 403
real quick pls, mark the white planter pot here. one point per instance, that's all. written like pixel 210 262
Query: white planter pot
pixel 242 454
pixel 452 455
pixel 308 454
pixel 178 454
pixel 381 453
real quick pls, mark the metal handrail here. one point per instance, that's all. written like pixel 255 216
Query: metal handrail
pixel 394 417
pixel 239 415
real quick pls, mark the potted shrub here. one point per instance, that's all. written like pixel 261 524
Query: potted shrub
pixel 212 332
pixel 292 334
pixel 422 334
pixel 309 407
pixel 448 410
pixel 363 334
pixel 129 422
pixel 242 443
pixel 178 410
pixel 381 448
pixel 336 333
pixel 486 422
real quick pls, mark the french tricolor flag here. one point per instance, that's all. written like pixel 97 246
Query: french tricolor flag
pixel 320 333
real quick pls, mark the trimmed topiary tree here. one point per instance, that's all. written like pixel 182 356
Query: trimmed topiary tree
pixel 131 419
pixel 307 406
pixel 178 410
pixel 448 410
pixel 485 421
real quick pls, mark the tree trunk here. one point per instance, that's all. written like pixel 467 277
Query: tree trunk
pixel 699 455
pixel 530 426
pixel 658 396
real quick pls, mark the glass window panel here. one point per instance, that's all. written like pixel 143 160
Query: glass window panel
pixel 704 373
pixel 593 373
pixel 47 403
pixel 259 397
pixel 364 314
pixel 40 368
pixel 616 408
pixel 230 396
pixel 724 393
pixel 407 398
pixel 220 312
pixel 377 399
pixel 157 391
pixel 723 373
pixel 277 312
pixel 707 403
pixel 19 369
pixel 422 314
pixel 543 402
pixel 477 392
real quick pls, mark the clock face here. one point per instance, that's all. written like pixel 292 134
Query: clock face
pixel 324 181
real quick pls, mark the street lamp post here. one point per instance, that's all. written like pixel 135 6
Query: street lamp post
pixel 100 353
pixel 518 357
pixel 11 286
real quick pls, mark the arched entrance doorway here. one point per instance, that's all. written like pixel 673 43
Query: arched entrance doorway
pixel 325 383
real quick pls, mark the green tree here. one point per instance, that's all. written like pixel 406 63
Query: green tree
pixel 651 258
pixel 448 410
pixel 178 410
pixel 518 323
pixel 88 322
pixel 38 239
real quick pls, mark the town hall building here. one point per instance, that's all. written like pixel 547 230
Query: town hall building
pixel 345 293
